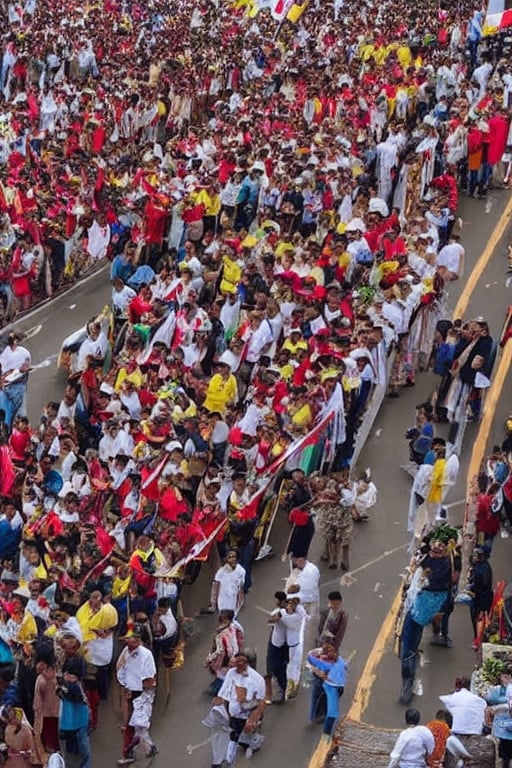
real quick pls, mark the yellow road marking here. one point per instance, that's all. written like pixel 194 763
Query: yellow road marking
pixel 320 754
pixel 369 673
pixel 491 401
pixel 485 256
pixel 365 683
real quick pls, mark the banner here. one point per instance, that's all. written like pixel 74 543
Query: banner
pixel 196 553
pixel 302 442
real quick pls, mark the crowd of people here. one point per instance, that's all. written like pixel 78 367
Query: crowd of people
pixel 281 222
pixel 450 737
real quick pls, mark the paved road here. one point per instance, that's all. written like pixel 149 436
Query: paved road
pixel 290 740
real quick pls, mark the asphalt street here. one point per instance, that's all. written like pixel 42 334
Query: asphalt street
pixel 378 553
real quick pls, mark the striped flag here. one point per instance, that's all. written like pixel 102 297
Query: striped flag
pixel 496 22
pixel 279 9
pixel 303 442
pixel 198 552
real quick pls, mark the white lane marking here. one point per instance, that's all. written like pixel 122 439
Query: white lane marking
pixel 190 748
pixel 454 504
pixel 44 363
pixel 348 578
pixel 32 331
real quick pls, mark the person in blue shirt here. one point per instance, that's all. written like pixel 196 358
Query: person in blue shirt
pixel 123 265
pixel 332 669
pixel 248 195
pixel 74 709
pixel 420 437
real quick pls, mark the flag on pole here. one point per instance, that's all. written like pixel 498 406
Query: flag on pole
pixel 197 552
pixel 297 10
pixel 303 442
pixel 149 486
pixel 280 8
pixel 496 22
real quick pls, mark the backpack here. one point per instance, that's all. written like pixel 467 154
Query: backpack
pixel 497 502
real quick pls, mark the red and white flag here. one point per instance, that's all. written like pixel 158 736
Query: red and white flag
pixel 279 9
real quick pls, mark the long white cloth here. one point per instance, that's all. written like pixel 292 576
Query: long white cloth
pixel 337 428
pixel 98 239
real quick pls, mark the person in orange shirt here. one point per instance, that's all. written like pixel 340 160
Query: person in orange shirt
pixel 440 728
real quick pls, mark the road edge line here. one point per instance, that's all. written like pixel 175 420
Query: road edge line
pixel 483 260
pixel 489 407
pixel 362 693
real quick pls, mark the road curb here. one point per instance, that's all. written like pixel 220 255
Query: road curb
pixel 32 312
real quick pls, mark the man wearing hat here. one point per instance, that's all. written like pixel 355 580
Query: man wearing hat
pixel 222 389
pixel 136 672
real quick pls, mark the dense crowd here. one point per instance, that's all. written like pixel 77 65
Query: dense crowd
pixel 281 223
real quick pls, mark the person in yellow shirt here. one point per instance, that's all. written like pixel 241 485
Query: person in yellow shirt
pixel 299 413
pixel 182 409
pixel 294 341
pixel 222 390
pixel 98 620
pixel 209 197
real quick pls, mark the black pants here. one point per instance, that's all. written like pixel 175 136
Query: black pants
pixel 277 659
pixel 237 724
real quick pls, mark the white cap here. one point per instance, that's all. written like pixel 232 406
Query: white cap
pixel 377 205
pixel 226 358
pixel 355 224
pixel 173 445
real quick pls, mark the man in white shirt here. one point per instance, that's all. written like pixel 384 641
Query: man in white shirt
pixel 113 442
pixel 136 672
pixel 244 691
pixel 466 708
pixel 14 357
pixel 228 585
pixel 94 348
pixel 277 649
pixel 218 437
pixel 165 631
pixel 450 260
pixel 257 337
pixel 14 366
pixel 121 296
pixel 413 745
pixel 294 620
pixel 306 576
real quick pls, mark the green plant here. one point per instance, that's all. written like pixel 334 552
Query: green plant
pixel 366 294
pixel 492 670
pixel 444 533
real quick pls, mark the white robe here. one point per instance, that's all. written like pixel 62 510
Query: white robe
pixel 98 239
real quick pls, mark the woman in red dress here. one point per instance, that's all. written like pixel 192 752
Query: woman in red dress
pixel 24 269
